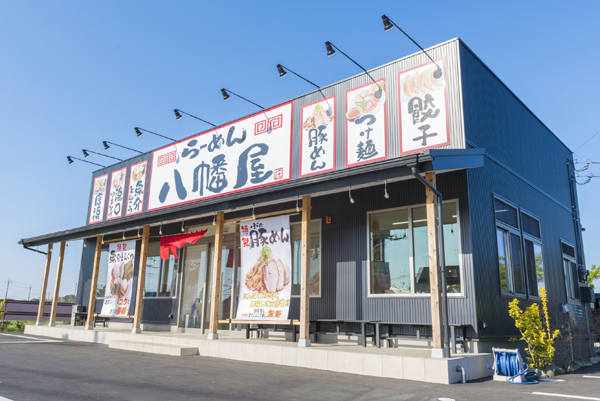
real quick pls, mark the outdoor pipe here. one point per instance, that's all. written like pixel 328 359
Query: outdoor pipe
pixel 463 376
pixel 441 258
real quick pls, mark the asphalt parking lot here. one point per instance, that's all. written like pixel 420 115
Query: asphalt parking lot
pixel 37 368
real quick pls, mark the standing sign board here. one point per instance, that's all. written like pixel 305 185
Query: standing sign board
pixel 366 124
pixel 423 108
pixel 266 274
pixel 98 198
pixel 249 153
pixel 119 279
pixel 317 152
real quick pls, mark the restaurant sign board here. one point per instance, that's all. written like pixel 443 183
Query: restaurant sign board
pixel 119 279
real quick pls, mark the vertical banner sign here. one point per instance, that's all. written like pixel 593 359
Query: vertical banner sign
pixel 248 153
pixel 317 152
pixel 117 189
pixel 423 108
pixel 98 198
pixel 137 182
pixel 266 274
pixel 119 279
pixel 366 124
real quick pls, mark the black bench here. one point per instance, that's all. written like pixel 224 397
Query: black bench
pixel 364 334
pixel 418 326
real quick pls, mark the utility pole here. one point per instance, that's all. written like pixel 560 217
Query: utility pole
pixel 29 296
pixel 7 284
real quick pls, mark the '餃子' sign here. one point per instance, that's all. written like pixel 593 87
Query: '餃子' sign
pixel 266 269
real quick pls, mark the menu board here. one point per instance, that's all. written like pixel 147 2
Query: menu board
pixel 366 124
pixel 266 269
pixel 137 183
pixel 317 152
pixel 119 279
pixel 423 108
pixel 115 198
pixel 98 198
pixel 248 153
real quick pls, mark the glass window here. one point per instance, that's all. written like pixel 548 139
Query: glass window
pixel 390 253
pixel 531 226
pixel 194 286
pixel 160 274
pixel 102 272
pixel 421 250
pixel 516 264
pixel 512 278
pixel 314 283
pixel 534 266
pixel 505 213
pixel 451 253
pixel 502 261
pixel 568 278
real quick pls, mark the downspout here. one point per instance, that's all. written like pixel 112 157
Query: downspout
pixel 34 250
pixel 441 258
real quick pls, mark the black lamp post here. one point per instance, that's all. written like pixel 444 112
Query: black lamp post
pixel 70 160
pixel 225 93
pixel 178 116
pixel 139 132
pixel 282 73
pixel 389 24
pixel 106 147
pixel 330 52
pixel 86 154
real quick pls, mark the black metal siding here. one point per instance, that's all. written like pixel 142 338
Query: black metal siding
pixel 527 165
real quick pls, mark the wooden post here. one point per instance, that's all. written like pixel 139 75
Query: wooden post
pixel 89 324
pixel 436 311
pixel 305 274
pixel 141 281
pixel 216 278
pixel 40 315
pixel 61 256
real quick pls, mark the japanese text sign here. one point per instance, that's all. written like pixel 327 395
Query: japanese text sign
pixel 366 124
pixel 423 108
pixel 137 183
pixel 317 152
pixel 98 198
pixel 115 198
pixel 266 269
pixel 249 153
pixel 119 279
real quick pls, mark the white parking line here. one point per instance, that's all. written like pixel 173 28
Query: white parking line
pixel 578 397
pixel 5 399
pixel 36 340
pixel 592 377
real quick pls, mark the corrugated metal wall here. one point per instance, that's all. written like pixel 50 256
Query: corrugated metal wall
pixel 527 165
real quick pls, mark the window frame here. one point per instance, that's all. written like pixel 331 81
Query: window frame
pixel 320 259
pixel 539 241
pixel 414 294
pixel 510 291
pixel 176 287
pixel 572 259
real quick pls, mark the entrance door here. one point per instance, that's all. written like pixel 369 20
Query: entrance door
pixel 226 282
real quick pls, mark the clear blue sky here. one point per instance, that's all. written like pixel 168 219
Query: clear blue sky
pixel 73 74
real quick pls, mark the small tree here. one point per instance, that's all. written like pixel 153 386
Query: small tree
pixel 594 275
pixel 540 340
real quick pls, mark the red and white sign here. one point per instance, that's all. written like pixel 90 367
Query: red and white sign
pixel 423 108
pixel 248 153
pixel 117 193
pixel 366 124
pixel 119 279
pixel 135 192
pixel 317 151
pixel 98 199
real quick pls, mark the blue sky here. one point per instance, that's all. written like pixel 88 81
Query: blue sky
pixel 73 74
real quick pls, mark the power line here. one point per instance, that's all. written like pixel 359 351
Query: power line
pixel 586 141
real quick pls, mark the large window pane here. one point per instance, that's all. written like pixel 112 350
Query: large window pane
pixel 314 284
pixel 194 284
pixel 506 213
pixel 421 250
pixel 390 253
pixel 534 266
pixel 516 264
pixel 539 267
pixel 568 277
pixel 102 272
pixel 502 262
pixel 451 248
pixel 160 274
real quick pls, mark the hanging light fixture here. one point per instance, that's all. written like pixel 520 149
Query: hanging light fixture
pixel 214 218
pixel 178 116
pixel 103 239
pixel 138 232
pixel 350 195
pixel 70 160
pixel 385 192
pixel 182 228
pixel 139 132
pixel 297 208
pixel 282 72
pixel 106 146
pixel 84 243
pixel 331 52
pixel 253 212
pixel 123 234
pixel 86 154
pixel 160 229
pixel 226 92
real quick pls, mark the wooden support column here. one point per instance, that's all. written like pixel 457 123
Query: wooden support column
pixel 141 281
pixel 44 286
pixel 89 324
pixel 432 229
pixel 305 274
pixel 61 256
pixel 216 278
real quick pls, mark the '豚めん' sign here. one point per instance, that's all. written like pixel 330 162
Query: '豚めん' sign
pixel 317 152
pixel 423 108
pixel 366 126
pixel 119 279
pixel 98 198
pixel 115 197
pixel 266 273
pixel 249 153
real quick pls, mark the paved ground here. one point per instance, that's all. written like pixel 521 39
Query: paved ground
pixel 37 368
